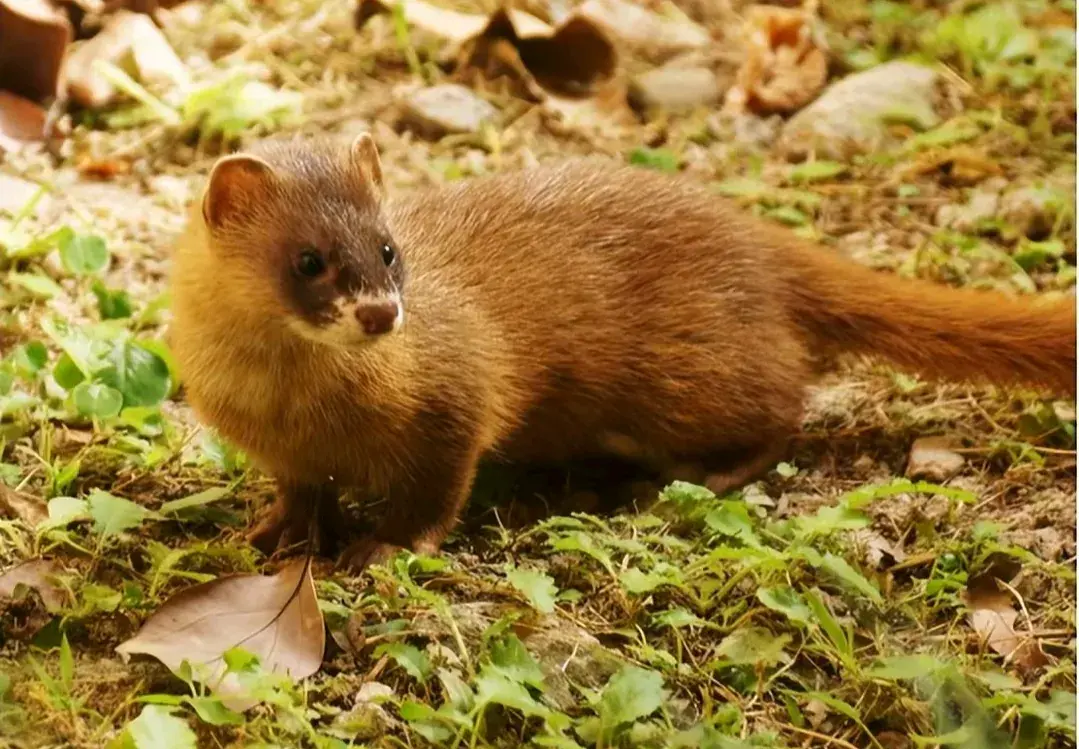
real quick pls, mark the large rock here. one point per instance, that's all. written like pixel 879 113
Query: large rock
pixel 852 115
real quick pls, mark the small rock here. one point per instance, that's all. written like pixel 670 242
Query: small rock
pixel 675 89
pixel 445 109
pixel 128 40
pixel 981 207
pixel 851 116
pixel 1032 210
pixel 16 193
pixel 931 458
pixel 373 691
pixel 364 722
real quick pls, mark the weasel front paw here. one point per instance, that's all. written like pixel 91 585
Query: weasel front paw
pixel 276 529
pixel 365 552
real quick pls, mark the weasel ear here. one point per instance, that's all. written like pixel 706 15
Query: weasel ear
pixel 364 155
pixel 237 183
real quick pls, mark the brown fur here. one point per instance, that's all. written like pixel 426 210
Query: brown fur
pixel 571 310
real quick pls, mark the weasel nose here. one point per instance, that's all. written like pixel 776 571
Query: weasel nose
pixel 377 318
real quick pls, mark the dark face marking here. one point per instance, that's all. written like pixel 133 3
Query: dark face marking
pixel 324 276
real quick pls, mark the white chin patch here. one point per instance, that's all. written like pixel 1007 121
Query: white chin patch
pixel 345 330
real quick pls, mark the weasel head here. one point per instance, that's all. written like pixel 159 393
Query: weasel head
pixel 299 226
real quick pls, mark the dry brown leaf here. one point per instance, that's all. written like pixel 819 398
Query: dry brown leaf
pixel 36 574
pixel 655 36
pixel 992 615
pixel 785 67
pixel 133 43
pixel 573 59
pixel 876 548
pixel 961 165
pixel 33 38
pixel 13 504
pixel 277 618
pixel 21 122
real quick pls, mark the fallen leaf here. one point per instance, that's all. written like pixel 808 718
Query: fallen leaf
pixel 33 37
pixel 785 67
pixel 572 59
pixel 274 617
pixel 35 574
pixel 655 36
pixel 876 547
pixel 21 122
pixel 992 615
pixel 21 506
pixel 131 42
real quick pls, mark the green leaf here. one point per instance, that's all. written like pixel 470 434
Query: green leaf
pixel 787 601
pixel 851 577
pixel 413 660
pixel 753 646
pixel 66 373
pixel 84 254
pixel 458 693
pixel 63 511
pixel 37 284
pixel 538 587
pixel 67 664
pixel 631 694
pixel 140 375
pixel 901 667
pixel 211 710
pixel 732 519
pixel 787 214
pixel 237 104
pixel 425 720
pixel 660 159
pixel 114 515
pixel 157 728
pixel 204 497
pixel 828 623
pixel 678 618
pixel 112 304
pixel 31 357
pixel 584 543
pixel 512 659
pixel 494 688
pixel 638 583
pixel 813 171
pixel 238 661
pixel 96 400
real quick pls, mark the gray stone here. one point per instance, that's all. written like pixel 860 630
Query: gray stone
pixel 933 459
pixel 675 89
pixel 852 115
pixel 446 109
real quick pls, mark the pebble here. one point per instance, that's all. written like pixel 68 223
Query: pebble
pixel 446 109
pixel 675 89
pixel 981 207
pixel 932 458
pixel 1032 210
pixel 851 116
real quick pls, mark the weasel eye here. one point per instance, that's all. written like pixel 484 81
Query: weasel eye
pixel 388 255
pixel 311 264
